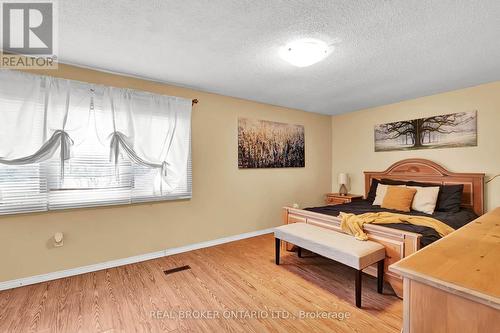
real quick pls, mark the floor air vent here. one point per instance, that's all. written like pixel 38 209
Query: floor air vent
pixel 177 269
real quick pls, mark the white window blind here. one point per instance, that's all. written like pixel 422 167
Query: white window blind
pixel 154 164
pixel 22 189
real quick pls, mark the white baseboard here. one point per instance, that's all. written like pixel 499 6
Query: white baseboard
pixel 125 261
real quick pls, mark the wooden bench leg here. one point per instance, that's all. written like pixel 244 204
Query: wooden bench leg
pixel 358 287
pixel 380 276
pixel 299 251
pixel 277 252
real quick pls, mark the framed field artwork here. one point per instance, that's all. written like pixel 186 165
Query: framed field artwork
pixel 267 144
pixel 444 131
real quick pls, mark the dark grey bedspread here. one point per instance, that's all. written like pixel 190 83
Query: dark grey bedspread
pixel 429 235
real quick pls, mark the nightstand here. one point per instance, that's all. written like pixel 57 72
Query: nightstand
pixel 337 199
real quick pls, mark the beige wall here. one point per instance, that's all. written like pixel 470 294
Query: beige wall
pixel 226 201
pixel 353 147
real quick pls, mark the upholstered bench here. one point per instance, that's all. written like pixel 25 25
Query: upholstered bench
pixel 336 246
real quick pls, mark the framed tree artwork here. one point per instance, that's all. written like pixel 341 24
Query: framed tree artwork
pixel 443 131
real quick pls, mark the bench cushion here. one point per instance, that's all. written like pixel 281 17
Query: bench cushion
pixel 331 244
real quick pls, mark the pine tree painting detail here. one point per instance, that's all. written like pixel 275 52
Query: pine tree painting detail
pixel 443 131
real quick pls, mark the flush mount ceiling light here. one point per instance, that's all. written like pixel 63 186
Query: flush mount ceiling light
pixel 305 52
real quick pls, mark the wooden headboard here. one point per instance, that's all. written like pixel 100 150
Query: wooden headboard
pixel 426 171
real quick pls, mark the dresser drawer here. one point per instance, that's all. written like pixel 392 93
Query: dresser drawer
pixel 336 200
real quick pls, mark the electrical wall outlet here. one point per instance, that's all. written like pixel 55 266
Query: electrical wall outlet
pixel 58 239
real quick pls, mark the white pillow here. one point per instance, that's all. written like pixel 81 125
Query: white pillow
pixel 425 199
pixel 379 197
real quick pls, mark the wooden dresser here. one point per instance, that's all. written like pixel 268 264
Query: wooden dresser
pixel 453 285
pixel 337 199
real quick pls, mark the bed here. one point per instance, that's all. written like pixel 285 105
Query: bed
pixel 400 240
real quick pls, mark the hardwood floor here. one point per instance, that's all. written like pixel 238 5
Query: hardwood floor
pixel 226 281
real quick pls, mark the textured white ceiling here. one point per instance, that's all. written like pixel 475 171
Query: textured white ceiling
pixel 385 51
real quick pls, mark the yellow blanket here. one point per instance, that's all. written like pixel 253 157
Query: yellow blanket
pixel 353 224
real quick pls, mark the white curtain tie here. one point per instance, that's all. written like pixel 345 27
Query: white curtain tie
pixel 164 168
pixel 114 148
pixel 66 143
pixel 60 139
pixel 65 148
pixel 119 140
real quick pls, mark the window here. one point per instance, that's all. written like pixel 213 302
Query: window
pixel 122 146
pixel 22 189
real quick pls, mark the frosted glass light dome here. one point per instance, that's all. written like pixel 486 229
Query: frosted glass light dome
pixel 305 52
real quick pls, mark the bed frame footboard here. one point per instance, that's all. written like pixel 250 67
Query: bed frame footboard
pixel 398 243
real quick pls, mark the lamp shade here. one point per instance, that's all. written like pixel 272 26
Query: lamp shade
pixel 342 178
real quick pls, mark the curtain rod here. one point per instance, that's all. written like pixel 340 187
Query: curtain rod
pixel 194 101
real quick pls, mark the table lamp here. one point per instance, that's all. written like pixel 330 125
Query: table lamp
pixel 343 182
